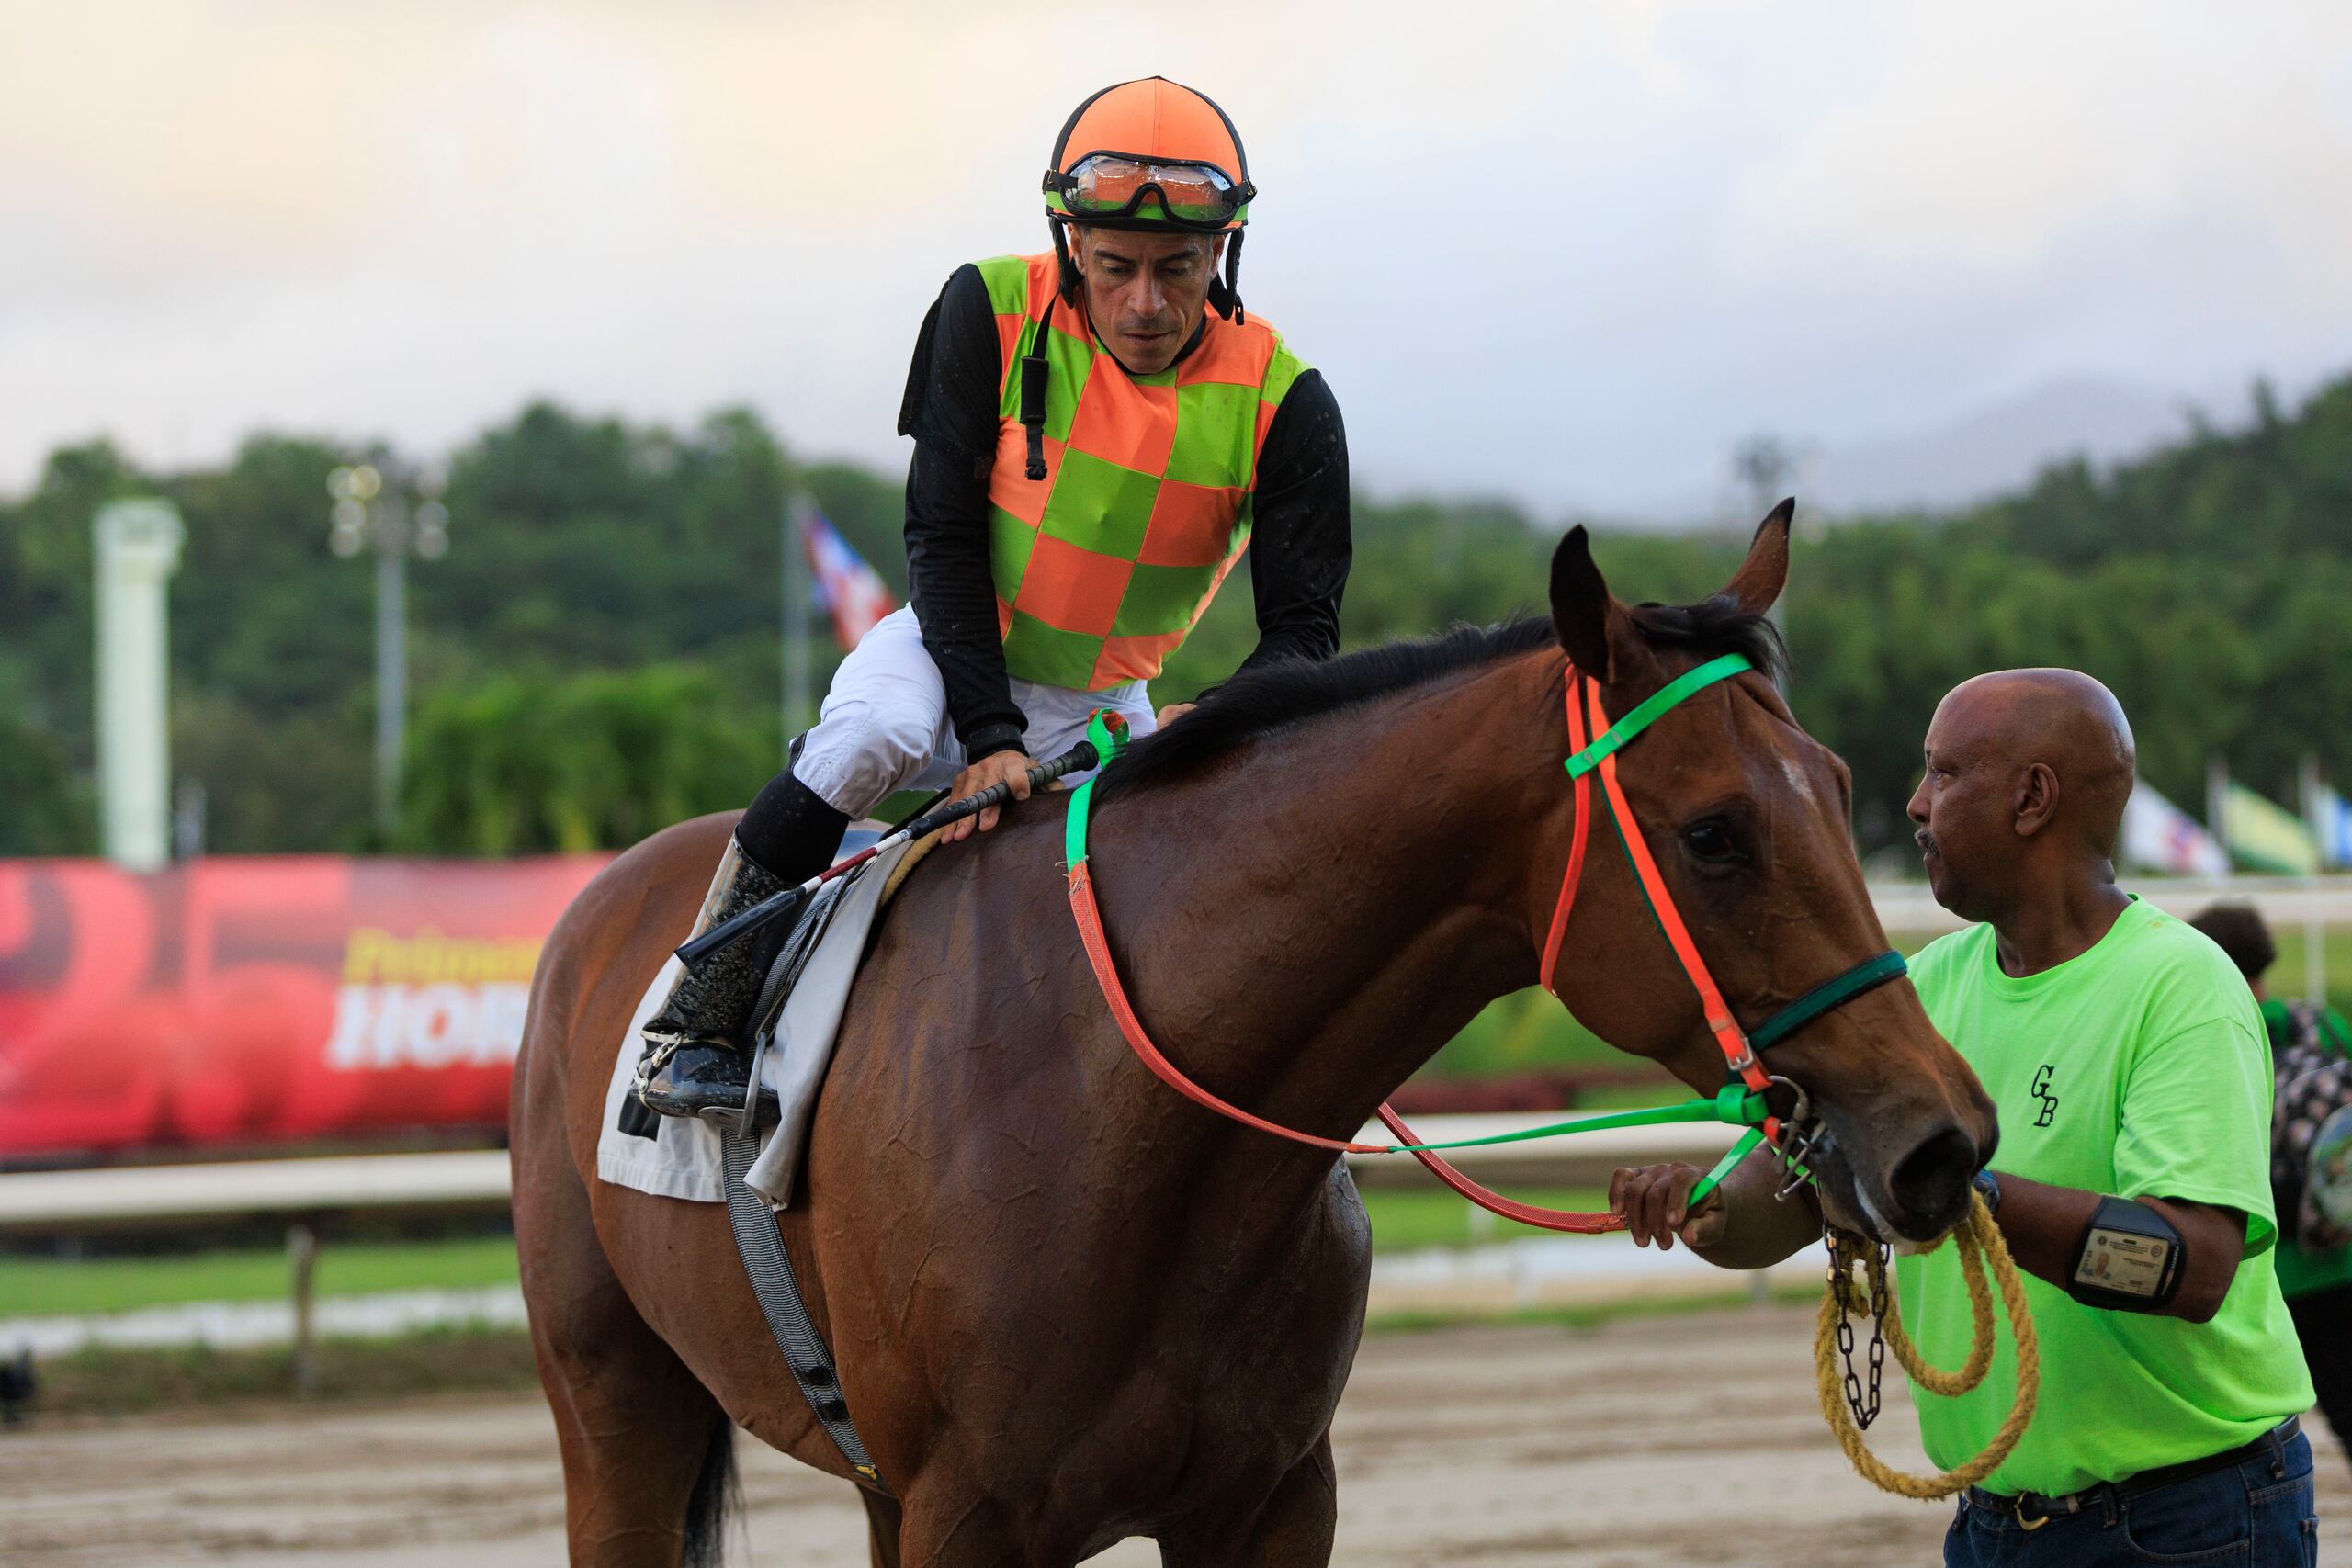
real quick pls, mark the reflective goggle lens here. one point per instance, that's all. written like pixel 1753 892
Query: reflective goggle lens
pixel 1192 193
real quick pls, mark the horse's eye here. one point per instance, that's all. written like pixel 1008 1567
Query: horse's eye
pixel 1711 840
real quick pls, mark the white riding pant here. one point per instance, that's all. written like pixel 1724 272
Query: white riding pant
pixel 883 726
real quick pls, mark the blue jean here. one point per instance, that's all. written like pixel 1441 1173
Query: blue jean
pixel 2256 1514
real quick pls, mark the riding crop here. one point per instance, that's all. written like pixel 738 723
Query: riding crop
pixel 1076 760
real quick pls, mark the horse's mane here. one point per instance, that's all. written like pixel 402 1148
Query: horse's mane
pixel 1259 701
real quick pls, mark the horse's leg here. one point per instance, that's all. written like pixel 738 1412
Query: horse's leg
pixel 646 1452
pixel 954 1523
pixel 881 1528
pixel 1290 1530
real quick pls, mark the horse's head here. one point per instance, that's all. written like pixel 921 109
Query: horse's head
pixel 1747 819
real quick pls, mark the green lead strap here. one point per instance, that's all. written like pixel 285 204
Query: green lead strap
pixel 1725 1166
pixel 1641 717
pixel 1736 1104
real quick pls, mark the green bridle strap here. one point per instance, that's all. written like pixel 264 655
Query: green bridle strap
pixel 1736 1104
pixel 1108 744
pixel 1646 714
pixel 1829 994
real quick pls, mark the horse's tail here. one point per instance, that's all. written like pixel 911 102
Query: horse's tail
pixel 715 1491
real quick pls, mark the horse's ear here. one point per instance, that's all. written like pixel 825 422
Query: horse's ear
pixel 1581 606
pixel 1758 582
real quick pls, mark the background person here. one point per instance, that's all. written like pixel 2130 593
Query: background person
pixel 2124 1054
pixel 2311 1061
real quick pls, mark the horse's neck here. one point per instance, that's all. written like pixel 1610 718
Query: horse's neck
pixel 1312 921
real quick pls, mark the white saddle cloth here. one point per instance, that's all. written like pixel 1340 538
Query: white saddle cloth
pixel 681 1160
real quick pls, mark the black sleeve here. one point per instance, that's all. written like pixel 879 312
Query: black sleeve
pixel 1301 544
pixel 951 411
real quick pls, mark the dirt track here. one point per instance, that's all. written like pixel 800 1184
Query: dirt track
pixel 1504 1447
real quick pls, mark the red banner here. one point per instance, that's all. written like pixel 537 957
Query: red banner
pixel 263 999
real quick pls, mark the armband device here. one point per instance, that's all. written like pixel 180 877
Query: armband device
pixel 2129 1258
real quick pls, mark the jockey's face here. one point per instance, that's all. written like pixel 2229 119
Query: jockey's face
pixel 1145 293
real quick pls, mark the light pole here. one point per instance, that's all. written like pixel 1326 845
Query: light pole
pixel 372 513
pixel 137 549
pixel 798 512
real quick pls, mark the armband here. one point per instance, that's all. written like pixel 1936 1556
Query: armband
pixel 2129 1258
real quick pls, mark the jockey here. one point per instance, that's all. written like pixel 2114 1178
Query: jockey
pixel 1100 430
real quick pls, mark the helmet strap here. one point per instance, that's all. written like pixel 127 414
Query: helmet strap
pixel 1223 293
pixel 1068 268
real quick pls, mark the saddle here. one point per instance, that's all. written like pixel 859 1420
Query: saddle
pixel 793 1025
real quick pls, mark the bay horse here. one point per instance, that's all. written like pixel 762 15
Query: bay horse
pixel 1069 1307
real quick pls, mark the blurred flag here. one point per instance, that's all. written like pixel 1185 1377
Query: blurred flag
pixel 2261 836
pixel 2160 836
pixel 2331 824
pixel 851 590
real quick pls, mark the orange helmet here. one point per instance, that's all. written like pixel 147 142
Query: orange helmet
pixel 1149 154
pixel 1152 156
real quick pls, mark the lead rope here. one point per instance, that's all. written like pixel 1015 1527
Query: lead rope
pixel 1980 1249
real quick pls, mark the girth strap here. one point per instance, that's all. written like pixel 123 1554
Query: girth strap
pixel 777 1288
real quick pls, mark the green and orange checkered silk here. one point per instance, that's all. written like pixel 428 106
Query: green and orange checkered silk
pixel 1103 566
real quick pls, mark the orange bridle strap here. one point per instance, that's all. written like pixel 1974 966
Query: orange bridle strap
pixel 1719 1021
pixel 1106 972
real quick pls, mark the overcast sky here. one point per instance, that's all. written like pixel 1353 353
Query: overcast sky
pixel 1567 251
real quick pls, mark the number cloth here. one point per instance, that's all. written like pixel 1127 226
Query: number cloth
pixel 2138 1068
pixel 1103 565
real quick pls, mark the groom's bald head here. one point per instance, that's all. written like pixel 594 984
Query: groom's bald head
pixel 2023 767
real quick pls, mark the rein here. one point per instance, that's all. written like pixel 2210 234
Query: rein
pixel 1740 1103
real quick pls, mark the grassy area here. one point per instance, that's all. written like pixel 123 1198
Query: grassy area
pixel 1513 1034
pixel 35 1287
pixel 39 1286
pixel 1410 1217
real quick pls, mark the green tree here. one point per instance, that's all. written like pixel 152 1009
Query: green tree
pixel 43 809
pixel 572 763
pixel 2208 583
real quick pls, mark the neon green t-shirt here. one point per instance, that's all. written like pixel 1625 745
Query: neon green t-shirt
pixel 2139 1068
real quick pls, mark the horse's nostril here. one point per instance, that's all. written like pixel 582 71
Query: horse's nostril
pixel 1930 1183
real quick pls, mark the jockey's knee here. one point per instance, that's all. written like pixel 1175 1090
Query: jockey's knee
pixel 859 753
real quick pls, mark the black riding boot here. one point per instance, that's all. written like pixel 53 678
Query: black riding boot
pixel 696 1062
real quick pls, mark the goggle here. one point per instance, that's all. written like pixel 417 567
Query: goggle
pixel 1115 185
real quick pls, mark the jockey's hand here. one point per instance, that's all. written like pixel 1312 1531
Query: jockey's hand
pixel 1656 1201
pixel 1173 711
pixel 997 767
